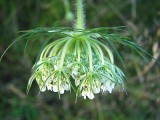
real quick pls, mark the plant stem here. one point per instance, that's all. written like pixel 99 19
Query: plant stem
pixel 89 55
pixel 64 51
pixel 80 15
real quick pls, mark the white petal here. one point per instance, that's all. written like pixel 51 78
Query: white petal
pixel 108 84
pixel 104 88
pixel 84 94
pixel 49 86
pixel 55 88
pixel 110 89
pixel 96 90
pixel 55 67
pixel 77 82
pixel 113 85
pixel 75 73
pixel 66 86
pixel 61 90
pixel 90 95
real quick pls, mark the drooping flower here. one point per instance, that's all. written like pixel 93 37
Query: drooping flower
pixel 80 58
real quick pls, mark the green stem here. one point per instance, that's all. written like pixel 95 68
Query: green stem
pixel 89 55
pixel 64 51
pixel 55 49
pixel 78 51
pixel 47 49
pixel 107 49
pixel 100 53
pixel 80 15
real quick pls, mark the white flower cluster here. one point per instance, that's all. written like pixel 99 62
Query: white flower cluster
pixel 52 80
pixel 79 61
pixel 88 85
pixel 101 79
pixel 89 91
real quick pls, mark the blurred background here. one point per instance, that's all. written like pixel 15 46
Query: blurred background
pixel 140 101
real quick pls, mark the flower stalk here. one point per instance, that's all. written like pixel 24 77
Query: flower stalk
pixel 80 23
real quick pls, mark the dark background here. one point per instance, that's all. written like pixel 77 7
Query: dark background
pixel 141 101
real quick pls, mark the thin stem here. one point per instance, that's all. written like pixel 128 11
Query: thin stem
pixel 89 55
pixel 47 48
pixel 55 49
pixel 79 51
pixel 107 49
pixel 64 51
pixel 100 53
pixel 80 15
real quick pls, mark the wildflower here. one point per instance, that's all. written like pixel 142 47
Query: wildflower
pixel 81 58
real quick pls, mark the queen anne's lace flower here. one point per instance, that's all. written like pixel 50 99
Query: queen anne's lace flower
pixel 81 59
pixel 91 71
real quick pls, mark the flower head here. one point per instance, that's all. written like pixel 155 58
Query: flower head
pixel 80 57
